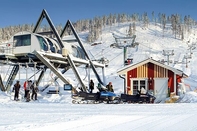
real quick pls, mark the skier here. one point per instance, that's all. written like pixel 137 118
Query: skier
pixel 16 88
pixel 25 89
pixel 34 91
pixel 28 90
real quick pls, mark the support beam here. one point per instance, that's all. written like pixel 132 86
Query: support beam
pixel 12 76
pixel 50 66
pixel 76 73
pixel 46 86
pixel 2 87
pixel 69 24
pixel 45 15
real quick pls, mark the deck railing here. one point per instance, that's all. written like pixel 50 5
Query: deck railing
pixel 6 48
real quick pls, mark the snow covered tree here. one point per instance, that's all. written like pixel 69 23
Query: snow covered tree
pixel 104 21
pixel 182 32
pixel 174 23
pixel 159 18
pixel 130 31
pixel 163 22
pixel 153 16
pixel 118 18
pixel 109 20
pixel 114 19
pixel 0 35
pixel 91 34
pixel 145 19
pixel 59 28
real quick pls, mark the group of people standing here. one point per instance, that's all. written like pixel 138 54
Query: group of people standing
pixel 28 86
pixel 109 87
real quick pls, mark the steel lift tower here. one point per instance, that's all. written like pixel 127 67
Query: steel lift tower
pixel 125 42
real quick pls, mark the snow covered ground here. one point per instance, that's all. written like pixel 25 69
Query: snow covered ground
pixel 65 116
pixel 56 111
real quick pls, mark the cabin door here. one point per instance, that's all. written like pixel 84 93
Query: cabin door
pixel 160 88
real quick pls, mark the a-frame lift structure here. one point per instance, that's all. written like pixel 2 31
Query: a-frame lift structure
pixel 50 60
pixel 69 58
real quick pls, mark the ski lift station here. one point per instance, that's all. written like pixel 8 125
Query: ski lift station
pixel 37 50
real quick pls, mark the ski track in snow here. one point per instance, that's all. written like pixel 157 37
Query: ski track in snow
pixel 98 117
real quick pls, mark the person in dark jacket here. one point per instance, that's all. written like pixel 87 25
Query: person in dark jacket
pixel 16 88
pixel 110 87
pixel 91 86
pixel 34 89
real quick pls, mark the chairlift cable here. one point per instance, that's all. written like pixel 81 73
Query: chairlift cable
pixel 115 56
pixel 106 52
pixel 91 53
pixel 103 50
pixel 149 47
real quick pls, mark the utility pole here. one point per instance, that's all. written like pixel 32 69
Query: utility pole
pixel 187 56
pixel 168 53
pixel 191 47
pixel 186 61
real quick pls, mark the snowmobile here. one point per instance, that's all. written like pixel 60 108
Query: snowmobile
pixel 138 98
pixel 102 96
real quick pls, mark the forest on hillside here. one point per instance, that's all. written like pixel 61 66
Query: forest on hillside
pixel 178 24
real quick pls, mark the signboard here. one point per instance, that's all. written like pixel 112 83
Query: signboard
pixel 67 87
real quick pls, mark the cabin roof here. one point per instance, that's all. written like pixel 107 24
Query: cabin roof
pixel 127 68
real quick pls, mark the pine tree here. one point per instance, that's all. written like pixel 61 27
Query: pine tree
pixel 163 22
pixel 130 31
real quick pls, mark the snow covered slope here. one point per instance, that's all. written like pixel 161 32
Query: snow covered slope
pixel 56 111
pixel 151 44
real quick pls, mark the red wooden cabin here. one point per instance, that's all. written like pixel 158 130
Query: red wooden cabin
pixel 152 75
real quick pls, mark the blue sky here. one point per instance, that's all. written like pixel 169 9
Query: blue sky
pixel 15 12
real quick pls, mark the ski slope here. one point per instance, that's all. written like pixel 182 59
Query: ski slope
pixel 56 111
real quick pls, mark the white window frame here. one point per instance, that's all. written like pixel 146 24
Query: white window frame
pixel 138 79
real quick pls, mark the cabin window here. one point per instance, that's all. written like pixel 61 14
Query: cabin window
pixel 135 87
pixel 137 84
pixel 43 43
pixel 22 40
pixel 78 52
pixel 52 48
